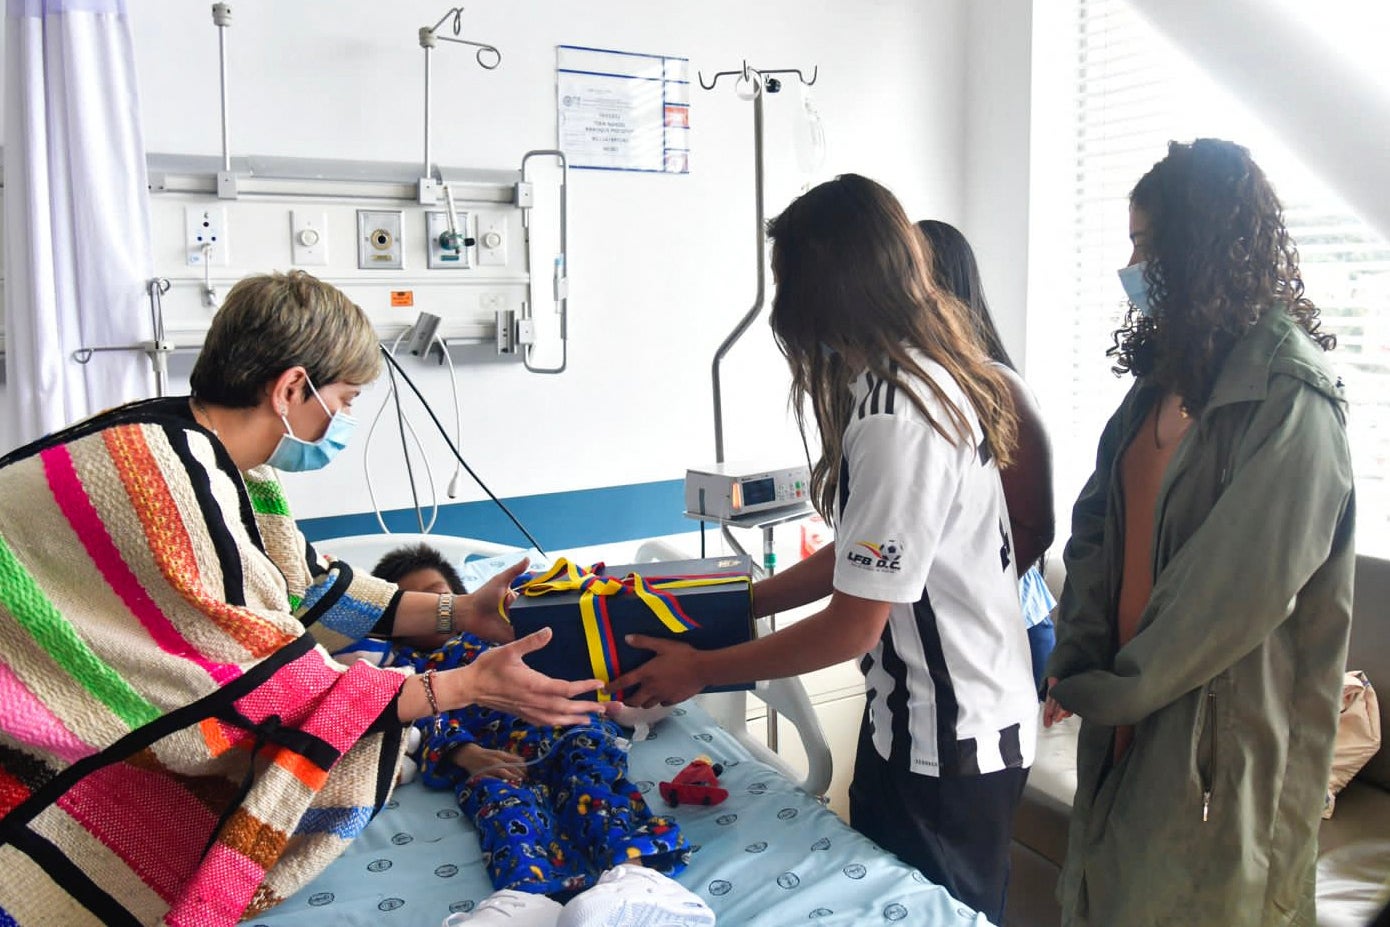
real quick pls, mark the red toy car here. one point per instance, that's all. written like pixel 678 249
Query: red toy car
pixel 696 784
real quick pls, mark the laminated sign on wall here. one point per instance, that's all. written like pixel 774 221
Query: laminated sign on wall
pixel 623 111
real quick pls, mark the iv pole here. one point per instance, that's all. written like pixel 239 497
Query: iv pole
pixel 755 82
pixel 760 243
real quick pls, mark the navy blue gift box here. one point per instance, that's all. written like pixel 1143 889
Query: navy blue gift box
pixel 589 626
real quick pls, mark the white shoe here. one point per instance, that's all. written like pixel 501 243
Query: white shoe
pixel 634 896
pixel 509 908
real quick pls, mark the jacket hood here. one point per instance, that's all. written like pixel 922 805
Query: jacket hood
pixel 1275 346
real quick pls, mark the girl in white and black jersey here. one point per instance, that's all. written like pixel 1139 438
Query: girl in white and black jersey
pixel 1028 481
pixel 914 425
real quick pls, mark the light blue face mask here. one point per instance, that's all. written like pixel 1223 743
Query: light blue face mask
pixel 1132 279
pixel 295 455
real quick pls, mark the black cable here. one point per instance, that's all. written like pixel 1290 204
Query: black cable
pixel 459 457
pixel 405 451
pixel 702 524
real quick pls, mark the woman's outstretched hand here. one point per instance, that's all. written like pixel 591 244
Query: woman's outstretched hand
pixel 499 679
pixel 483 617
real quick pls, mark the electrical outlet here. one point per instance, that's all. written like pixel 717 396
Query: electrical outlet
pixel 206 233
pixel 379 240
pixel 492 239
pixel 308 237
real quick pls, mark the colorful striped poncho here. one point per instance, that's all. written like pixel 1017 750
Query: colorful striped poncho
pixel 176 744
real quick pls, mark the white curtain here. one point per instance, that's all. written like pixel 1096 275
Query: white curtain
pixel 77 229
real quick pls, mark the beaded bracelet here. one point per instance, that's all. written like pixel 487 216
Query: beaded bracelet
pixel 427 679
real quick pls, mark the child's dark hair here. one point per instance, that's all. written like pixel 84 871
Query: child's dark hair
pixel 401 562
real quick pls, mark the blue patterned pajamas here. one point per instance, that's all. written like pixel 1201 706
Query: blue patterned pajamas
pixel 574 815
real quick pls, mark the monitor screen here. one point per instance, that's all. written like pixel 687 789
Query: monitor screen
pixel 756 492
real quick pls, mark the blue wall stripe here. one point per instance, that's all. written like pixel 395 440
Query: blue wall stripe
pixel 559 520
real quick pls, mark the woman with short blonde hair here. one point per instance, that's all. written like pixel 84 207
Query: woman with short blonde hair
pixel 271 322
pixel 178 744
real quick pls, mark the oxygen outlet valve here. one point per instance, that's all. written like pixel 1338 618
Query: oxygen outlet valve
pixel 455 241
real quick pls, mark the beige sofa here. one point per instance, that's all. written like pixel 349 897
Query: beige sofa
pixel 1354 845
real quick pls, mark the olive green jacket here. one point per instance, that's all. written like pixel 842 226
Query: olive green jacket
pixel 1233 680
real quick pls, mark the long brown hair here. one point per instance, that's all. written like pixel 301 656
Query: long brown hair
pixel 1219 256
pixel 855 292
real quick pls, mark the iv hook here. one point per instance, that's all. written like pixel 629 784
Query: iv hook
pixel 743 75
pixel 430 35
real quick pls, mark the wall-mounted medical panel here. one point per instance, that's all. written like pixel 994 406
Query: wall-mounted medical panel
pixel 360 226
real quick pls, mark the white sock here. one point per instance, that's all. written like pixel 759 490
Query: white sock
pixel 634 896
pixel 409 767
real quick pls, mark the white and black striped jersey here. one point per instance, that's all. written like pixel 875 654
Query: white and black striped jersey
pixel 921 523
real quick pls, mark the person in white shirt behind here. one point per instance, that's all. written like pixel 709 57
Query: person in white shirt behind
pixel 914 424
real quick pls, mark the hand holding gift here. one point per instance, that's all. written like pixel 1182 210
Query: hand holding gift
pixel 608 622
pixel 672 675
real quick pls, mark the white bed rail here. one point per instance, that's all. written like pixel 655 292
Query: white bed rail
pixel 363 551
pixel 785 696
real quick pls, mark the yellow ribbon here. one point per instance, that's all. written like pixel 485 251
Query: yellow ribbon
pixel 564 576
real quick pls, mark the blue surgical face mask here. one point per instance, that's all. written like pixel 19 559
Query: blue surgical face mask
pixel 296 455
pixel 1132 279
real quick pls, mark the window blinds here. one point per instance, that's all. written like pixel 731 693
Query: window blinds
pixel 1133 92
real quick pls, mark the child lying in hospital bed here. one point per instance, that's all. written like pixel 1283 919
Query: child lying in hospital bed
pixel 555 812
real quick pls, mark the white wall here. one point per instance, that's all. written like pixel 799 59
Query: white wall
pixel 661 266
pixel 995 147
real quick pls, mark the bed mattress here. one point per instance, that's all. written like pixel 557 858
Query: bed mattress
pixel 769 856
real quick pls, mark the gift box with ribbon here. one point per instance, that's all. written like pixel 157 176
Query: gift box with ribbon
pixel 704 603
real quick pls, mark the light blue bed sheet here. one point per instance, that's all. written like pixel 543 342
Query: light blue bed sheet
pixel 769 856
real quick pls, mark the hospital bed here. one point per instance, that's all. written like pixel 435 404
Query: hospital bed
pixel 769 856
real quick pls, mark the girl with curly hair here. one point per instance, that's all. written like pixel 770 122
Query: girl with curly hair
pixel 1203 627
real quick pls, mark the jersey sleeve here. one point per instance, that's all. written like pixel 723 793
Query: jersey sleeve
pixel 902 477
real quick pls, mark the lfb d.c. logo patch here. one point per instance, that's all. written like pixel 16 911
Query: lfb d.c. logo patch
pixel 885 557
